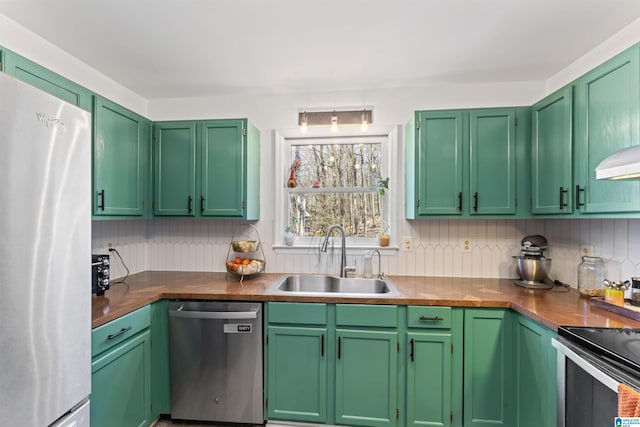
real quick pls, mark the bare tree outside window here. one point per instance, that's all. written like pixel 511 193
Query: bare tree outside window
pixel 337 184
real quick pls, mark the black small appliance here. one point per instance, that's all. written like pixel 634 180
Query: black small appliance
pixel 99 274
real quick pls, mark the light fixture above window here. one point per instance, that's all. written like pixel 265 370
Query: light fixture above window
pixel 335 118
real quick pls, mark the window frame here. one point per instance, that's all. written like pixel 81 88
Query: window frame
pixel 389 202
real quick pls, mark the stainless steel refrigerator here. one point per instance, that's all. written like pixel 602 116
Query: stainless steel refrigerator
pixel 45 247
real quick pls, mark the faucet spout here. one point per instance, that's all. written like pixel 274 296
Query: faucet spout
pixel 380 273
pixel 343 258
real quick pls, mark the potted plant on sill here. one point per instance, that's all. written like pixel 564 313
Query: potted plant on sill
pixel 290 232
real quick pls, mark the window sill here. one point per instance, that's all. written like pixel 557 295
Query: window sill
pixel 351 250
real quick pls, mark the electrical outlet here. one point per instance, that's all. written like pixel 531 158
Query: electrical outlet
pixel 466 245
pixel 586 250
pixel 407 244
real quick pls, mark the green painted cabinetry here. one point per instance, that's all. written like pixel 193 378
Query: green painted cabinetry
pixel 434 366
pixel 46 80
pixel 121 157
pixel 160 389
pixel 207 169
pixel 551 154
pixel 468 163
pixel 489 386
pixel 334 364
pixel 121 372
pixel 536 374
pixel 297 362
pixel 607 101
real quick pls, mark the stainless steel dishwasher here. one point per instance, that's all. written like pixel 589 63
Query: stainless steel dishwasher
pixel 216 361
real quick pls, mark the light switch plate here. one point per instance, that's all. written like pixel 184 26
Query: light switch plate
pixel 407 244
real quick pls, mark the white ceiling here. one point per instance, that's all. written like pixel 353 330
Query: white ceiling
pixel 186 48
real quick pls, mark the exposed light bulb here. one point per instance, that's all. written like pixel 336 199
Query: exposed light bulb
pixel 304 123
pixel 334 122
pixel 365 123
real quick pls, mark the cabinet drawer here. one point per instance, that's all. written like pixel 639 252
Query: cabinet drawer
pixel 367 315
pixel 429 317
pixel 112 333
pixel 298 313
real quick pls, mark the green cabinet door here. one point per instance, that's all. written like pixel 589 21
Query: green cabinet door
pixel 46 80
pixel 551 154
pixel 429 379
pixel 439 162
pixel 120 160
pixel 536 375
pixel 489 398
pixel 120 384
pixel 366 377
pixel 223 168
pixel 297 373
pixel 174 155
pixel 492 168
pixel 160 389
pixel 608 112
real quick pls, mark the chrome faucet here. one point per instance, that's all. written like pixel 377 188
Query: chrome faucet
pixel 380 273
pixel 343 260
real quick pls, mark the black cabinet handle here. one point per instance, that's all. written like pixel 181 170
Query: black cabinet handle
pixel 460 201
pixel 101 195
pixel 339 347
pixel 578 191
pixel 190 204
pixel 117 334
pixel 411 353
pixel 475 202
pixel 431 319
pixel 201 204
pixel 562 193
pixel 322 345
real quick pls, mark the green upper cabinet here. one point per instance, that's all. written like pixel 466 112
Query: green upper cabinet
pixel 46 80
pixel 492 161
pixel 439 162
pixel 121 150
pixel 551 154
pixel 174 155
pixel 608 114
pixel 467 163
pixel 207 169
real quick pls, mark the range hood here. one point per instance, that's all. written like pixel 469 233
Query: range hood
pixel 623 164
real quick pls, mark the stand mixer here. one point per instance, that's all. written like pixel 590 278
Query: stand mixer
pixel 532 266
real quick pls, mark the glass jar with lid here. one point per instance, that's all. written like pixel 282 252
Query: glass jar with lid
pixel 591 275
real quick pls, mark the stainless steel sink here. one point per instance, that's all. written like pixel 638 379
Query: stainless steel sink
pixel 343 286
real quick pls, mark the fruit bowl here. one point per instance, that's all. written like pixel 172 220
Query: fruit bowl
pixel 245 267
pixel 245 245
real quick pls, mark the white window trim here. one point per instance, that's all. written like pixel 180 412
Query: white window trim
pixel 392 199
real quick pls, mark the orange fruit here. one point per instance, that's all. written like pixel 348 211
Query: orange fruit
pixel 245 261
pixel 238 260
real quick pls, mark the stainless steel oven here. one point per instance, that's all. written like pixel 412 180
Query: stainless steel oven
pixel 592 362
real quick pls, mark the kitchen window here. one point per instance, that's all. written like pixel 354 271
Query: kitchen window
pixel 336 182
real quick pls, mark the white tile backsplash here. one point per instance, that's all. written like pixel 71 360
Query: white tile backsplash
pixel 203 245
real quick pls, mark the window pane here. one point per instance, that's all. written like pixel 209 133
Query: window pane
pixel 359 213
pixel 337 165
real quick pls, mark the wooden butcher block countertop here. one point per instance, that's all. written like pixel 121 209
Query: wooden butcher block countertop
pixel 553 308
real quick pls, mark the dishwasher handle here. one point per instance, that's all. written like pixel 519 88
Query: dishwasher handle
pixel 213 314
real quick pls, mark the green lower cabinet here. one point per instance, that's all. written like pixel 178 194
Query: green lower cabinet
pixel 121 386
pixel 536 374
pixel 489 394
pixel 429 379
pixel 366 377
pixel 160 388
pixel 297 374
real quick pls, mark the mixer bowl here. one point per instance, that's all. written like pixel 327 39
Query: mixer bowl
pixel 531 269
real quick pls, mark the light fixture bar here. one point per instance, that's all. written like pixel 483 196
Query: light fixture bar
pixel 323 118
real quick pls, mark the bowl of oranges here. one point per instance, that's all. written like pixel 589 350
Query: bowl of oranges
pixel 245 266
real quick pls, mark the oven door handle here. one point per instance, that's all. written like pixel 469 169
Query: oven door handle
pixel 586 365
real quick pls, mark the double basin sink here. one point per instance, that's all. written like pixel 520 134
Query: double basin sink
pixel 334 286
